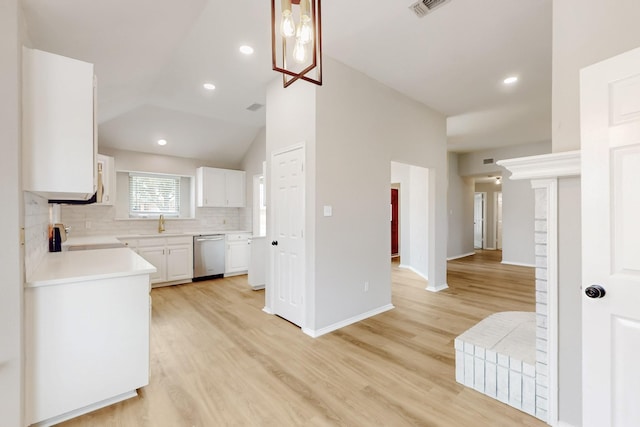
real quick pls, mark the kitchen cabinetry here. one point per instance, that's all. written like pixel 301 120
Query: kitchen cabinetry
pixel 106 180
pixel 58 126
pixel 237 253
pixel 87 319
pixel 172 257
pixel 220 188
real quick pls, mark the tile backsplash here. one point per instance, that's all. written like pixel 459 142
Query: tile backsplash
pixel 93 220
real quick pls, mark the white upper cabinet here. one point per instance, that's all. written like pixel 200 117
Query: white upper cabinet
pixel 220 188
pixel 58 126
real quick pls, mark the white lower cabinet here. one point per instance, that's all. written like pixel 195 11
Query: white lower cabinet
pixel 171 256
pixel 237 253
pixel 87 346
pixel 156 256
pixel 179 262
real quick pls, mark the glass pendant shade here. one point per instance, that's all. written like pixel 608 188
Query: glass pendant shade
pixel 296 40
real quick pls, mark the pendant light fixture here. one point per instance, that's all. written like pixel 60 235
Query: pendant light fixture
pixel 296 40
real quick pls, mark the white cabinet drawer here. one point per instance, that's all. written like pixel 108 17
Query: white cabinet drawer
pixel 234 237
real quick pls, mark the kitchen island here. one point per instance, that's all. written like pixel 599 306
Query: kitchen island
pixel 87 319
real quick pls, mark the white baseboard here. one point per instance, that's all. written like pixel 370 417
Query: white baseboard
pixel 519 264
pixel 460 256
pixel 429 287
pixel 318 332
pixel 489 249
pixel 267 310
pixel 408 267
pixel 85 410
pixel 563 424
pixel 437 288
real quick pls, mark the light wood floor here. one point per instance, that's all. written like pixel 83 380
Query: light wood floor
pixel 218 360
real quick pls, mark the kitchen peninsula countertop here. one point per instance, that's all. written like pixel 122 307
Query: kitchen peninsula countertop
pixel 76 266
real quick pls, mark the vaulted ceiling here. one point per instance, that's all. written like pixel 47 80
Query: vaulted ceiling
pixel 152 57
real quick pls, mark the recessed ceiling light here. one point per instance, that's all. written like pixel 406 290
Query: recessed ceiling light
pixel 209 86
pixel 510 80
pixel 247 50
pixel 162 142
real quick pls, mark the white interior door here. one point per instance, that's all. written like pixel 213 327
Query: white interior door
pixel 478 220
pixel 610 126
pixel 288 235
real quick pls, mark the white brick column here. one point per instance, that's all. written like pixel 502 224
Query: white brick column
pixel 544 171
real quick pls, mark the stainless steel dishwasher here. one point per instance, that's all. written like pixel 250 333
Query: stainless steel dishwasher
pixel 208 256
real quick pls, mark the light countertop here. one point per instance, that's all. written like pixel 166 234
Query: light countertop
pixel 90 240
pixel 76 266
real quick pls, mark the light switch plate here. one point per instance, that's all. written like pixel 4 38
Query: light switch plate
pixel 328 210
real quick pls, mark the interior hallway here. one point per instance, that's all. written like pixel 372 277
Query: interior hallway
pixel 217 359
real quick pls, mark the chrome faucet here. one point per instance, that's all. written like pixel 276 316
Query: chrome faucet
pixel 161 223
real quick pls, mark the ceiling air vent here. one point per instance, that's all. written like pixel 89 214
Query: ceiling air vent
pixel 421 8
pixel 487 161
pixel 255 107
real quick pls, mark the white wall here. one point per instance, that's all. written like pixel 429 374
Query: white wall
pixel 490 189
pixel 471 164
pixel 460 207
pixel 585 32
pixel 570 301
pixel 518 224
pixel 291 119
pixel 414 214
pixel 11 255
pixel 362 126
pixel 400 175
pixel 252 165
pixel 517 199
pixel 354 127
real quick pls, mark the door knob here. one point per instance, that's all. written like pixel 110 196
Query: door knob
pixel 274 243
pixel 595 291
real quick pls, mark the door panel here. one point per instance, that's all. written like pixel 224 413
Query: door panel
pixel 289 215
pixel 610 130
pixel 478 220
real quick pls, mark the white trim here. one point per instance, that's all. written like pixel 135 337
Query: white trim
pixel 438 288
pixel 551 186
pixel 518 264
pixel 408 267
pixel 267 310
pixel 490 249
pixel 460 256
pixel 318 332
pixel 563 424
pixel 552 165
pixel 86 409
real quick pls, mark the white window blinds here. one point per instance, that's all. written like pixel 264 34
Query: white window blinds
pixel 153 195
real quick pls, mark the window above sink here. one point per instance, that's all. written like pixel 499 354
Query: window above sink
pixel 144 195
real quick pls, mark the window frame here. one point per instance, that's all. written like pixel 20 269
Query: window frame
pixel 175 213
